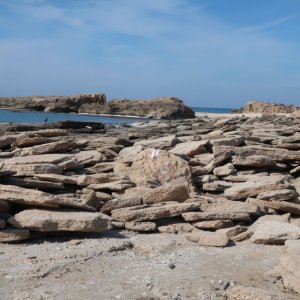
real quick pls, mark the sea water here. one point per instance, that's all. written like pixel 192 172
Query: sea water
pixel 7 116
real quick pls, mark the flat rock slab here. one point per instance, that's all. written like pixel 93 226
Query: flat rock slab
pixel 225 170
pixel 206 238
pixel 8 235
pixel 284 206
pixel 141 226
pixel 85 180
pixel 275 232
pixel 215 224
pixel 276 154
pixel 60 220
pixel 32 169
pixel 162 142
pixel 190 149
pixel 207 216
pixel 19 195
pixel 278 195
pixel 253 188
pixel 145 213
pixel 39 159
pixel 256 161
pixel 175 228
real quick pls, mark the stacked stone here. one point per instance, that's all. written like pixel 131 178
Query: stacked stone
pixel 218 181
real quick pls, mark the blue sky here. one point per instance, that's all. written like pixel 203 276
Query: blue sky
pixel 213 53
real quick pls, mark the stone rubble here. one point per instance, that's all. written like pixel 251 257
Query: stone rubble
pixel 212 179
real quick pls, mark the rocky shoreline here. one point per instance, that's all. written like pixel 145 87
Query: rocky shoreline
pixel 216 181
pixel 157 108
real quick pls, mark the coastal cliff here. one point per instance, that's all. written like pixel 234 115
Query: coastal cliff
pixel 267 107
pixel 161 108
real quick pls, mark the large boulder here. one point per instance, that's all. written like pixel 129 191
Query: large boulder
pixel 153 167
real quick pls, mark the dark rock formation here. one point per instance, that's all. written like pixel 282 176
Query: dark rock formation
pixel 267 107
pixel 162 108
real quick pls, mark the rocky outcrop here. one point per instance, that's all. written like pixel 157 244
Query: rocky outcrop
pixel 270 108
pixel 80 103
pixel 161 108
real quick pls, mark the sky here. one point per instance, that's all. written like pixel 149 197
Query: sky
pixel 209 53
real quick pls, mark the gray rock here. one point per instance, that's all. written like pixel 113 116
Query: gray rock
pixel 190 149
pixel 206 238
pixel 8 235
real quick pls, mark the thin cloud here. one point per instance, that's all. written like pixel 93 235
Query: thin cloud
pixel 268 25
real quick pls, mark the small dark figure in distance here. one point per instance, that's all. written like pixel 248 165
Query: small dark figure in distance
pixel 46 120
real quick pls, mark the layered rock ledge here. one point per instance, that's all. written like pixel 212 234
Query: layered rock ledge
pixel 161 108
pixel 269 108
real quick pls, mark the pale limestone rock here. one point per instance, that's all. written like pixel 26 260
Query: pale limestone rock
pixel 206 238
pixel 275 232
pixel 290 265
pixel 215 224
pixel 253 188
pixel 175 228
pixel 278 195
pixel 60 220
pixel 225 170
pixel 288 207
pixel 190 149
pixel 140 226
pixel 155 212
pixel 232 231
pixel 256 161
pixel 155 167
pixel 162 142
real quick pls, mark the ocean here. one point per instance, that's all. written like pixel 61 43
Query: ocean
pixel 7 116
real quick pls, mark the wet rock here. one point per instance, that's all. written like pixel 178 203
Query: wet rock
pixel 60 220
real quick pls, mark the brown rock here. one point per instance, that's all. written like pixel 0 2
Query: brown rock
pixel 162 142
pixel 225 170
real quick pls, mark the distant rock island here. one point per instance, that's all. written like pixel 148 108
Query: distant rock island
pixel 161 108
pixel 267 107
